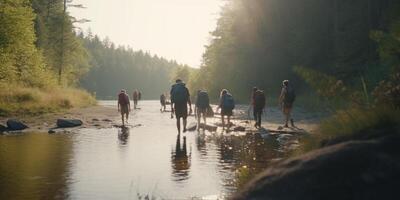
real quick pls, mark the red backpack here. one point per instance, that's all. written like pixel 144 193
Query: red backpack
pixel 123 99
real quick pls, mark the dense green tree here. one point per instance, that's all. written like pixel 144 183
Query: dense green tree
pixel 63 50
pixel 20 62
pixel 258 42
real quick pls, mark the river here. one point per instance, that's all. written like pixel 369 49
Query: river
pixel 149 159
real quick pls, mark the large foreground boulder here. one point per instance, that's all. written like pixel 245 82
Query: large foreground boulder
pixel 364 169
pixel 15 125
pixel 68 123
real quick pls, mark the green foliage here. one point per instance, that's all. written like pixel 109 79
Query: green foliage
pixel 58 40
pixel 114 68
pixel 333 91
pixel 257 43
pixel 29 46
pixel 20 60
pixel 388 92
pixel 352 125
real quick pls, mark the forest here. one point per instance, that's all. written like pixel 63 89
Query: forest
pixel 126 69
pixel 261 42
pixel 45 60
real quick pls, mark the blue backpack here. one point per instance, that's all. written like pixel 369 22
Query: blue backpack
pixel 203 100
pixel 179 93
pixel 228 102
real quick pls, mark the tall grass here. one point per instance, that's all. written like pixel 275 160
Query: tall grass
pixel 354 124
pixel 21 100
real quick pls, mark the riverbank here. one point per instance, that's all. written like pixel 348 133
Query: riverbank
pixel 92 117
pixel 105 115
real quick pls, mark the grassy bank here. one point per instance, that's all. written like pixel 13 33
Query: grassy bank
pixel 19 100
pixel 355 124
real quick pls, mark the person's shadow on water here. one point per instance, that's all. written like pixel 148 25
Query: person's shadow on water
pixel 123 134
pixel 180 160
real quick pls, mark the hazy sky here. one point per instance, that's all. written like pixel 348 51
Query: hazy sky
pixel 174 29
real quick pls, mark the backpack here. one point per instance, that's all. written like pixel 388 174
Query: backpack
pixel 290 95
pixel 259 99
pixel 228 102
pixel 203 100
pixel 123 99
pixel 179 94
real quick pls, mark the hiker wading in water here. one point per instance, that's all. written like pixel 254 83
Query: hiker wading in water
pixel 202 107
pixel 226 104
pixel 286 100
pixel 124 106
pixel 163 102
pixel 258 103
pixel 180 98
pixel 135 97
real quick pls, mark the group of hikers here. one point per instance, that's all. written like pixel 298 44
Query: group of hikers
pixel 180 101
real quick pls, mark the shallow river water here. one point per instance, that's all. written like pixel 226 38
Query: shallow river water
pixel 148 160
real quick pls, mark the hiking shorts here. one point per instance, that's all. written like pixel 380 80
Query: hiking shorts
pixel 227 112
pixel 181 111
pixel 287 108
pixel 124 109
pixel 257 110
pixel 202 110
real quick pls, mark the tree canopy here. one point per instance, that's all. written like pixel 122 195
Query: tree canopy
pixel 258 42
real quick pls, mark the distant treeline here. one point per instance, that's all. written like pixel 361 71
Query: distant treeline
pixel 114 68
pixel 259 42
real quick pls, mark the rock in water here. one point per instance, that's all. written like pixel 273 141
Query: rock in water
pixel 15 125
pixel 239 128
pixel 68 123
pixel 3 128
pixel 365 170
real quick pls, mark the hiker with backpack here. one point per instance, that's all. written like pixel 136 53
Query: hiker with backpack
pixel 124 105
pixel 202 106
pixel 135 96
pixel 226 104
pixel 286 100
pixel 163 102
pixel 258 103
pixel 180 98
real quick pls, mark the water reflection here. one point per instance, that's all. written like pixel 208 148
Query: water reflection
pixel 34 166
pixel 111 164
pixel 180 160
pixel 201 142
pixel 123 135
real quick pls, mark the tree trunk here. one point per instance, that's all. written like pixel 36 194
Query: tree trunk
pixel 60 69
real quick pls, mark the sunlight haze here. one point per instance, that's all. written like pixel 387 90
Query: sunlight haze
pixel 173 29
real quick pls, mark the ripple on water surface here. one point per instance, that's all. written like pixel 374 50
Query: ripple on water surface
pixel 127 163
